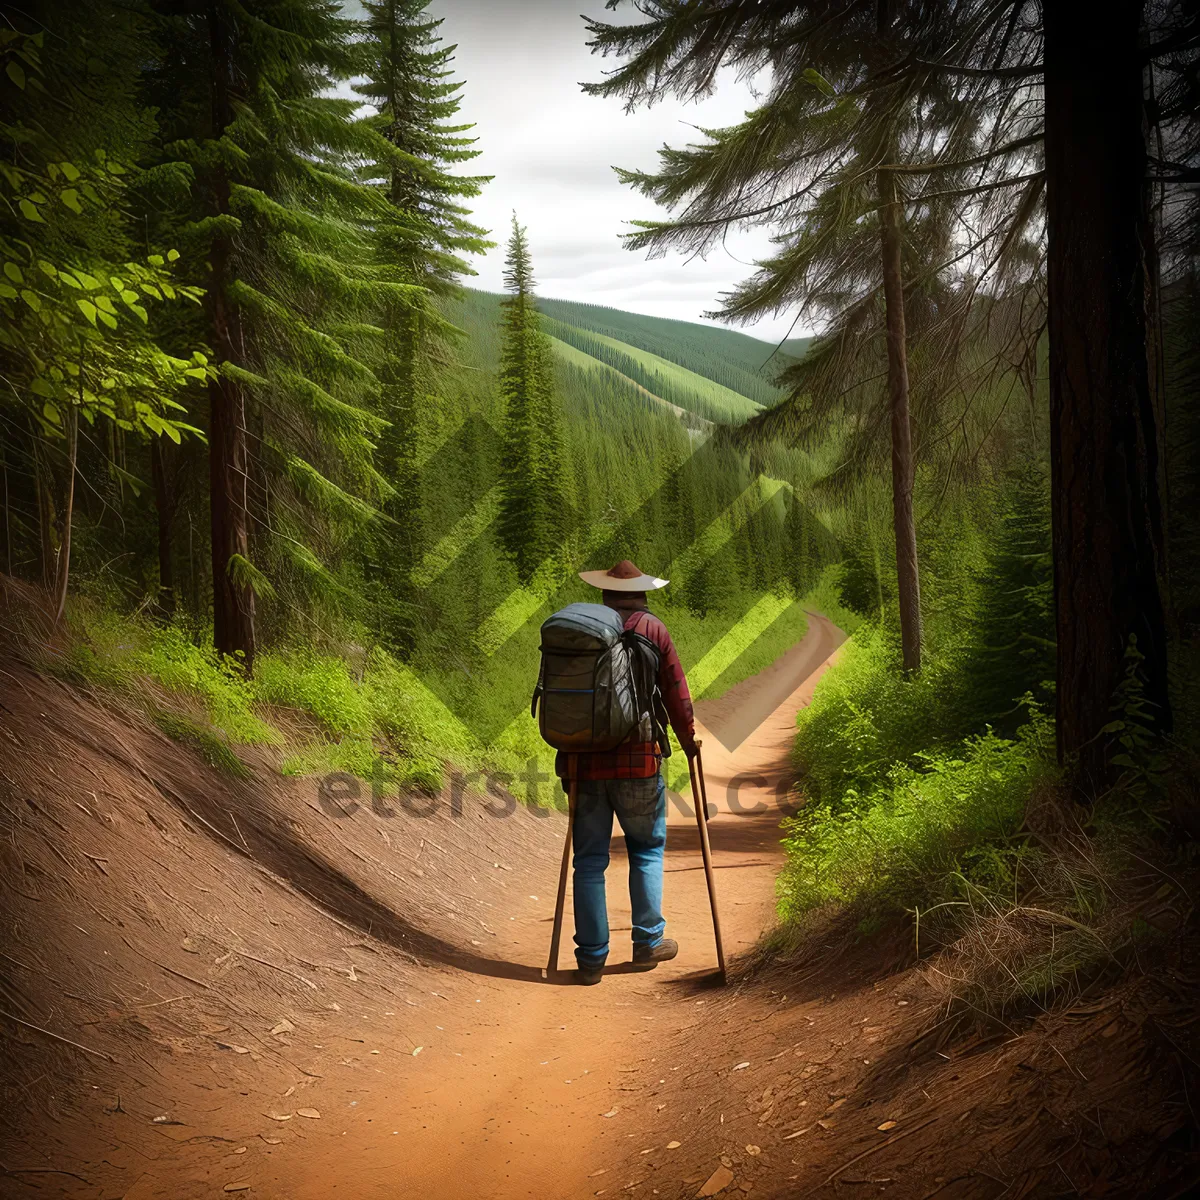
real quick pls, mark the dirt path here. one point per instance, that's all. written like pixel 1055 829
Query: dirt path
pixel 214 984
pixel 528 1089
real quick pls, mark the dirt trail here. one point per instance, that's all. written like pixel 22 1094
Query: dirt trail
pixel 211 983
pixel 512 1101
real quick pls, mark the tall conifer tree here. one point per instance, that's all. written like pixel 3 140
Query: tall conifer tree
pixel 532 501
pixel 420 242
pixel 276 227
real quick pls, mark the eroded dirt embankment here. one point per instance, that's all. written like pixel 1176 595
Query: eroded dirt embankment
pixel 212 984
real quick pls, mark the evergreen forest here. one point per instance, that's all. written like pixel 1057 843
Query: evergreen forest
pixel 279 478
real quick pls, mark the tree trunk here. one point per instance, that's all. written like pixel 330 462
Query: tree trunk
pixel 233 600
pixel 164 502
pixel 1107 512
pixel 63 568
pixel 43 482
pixel 908 582
pixel 7 514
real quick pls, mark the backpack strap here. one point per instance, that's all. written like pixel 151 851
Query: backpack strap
pixel 656 707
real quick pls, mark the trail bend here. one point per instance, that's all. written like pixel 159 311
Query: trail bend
pixel 515 1101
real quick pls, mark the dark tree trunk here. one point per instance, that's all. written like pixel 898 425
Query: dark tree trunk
pixel 1106 465
pixel 233 600
pixel 63 572
pixel 43 483
pixel 164 502
pixel 908 581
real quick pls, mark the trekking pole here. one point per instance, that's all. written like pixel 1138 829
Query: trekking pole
pixel 700 800
pixel 556 936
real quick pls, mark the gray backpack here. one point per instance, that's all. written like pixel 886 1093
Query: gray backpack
pixel 597 682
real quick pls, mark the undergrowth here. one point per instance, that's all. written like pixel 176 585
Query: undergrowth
pixel 364 712
pixel 1020 895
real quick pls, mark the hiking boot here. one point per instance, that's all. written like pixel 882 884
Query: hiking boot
pixel 589 975
pixel 663 952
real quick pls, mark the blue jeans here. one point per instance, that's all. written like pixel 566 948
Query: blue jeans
pixel 641 808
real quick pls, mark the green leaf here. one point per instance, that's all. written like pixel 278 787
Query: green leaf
pixel 70 197
pixel 29 211
pixel 108 319
pixel 70 170
pixel 130 297
pixel 817 80
pixel 32 299
pixel 48 269
pixel 141 313
pixel 89 281
pixel 7 291
pixel 172 255
pixel 88 309
pixel 40 387
pixel 50 412
pixel 14 272
pixel 196 372
pixel 16 73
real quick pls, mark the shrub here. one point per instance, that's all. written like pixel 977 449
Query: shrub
pixel 897 843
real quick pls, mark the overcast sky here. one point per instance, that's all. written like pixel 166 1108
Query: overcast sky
pixel 551 150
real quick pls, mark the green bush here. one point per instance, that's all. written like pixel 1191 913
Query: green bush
pixel 896 844
pixel 867 717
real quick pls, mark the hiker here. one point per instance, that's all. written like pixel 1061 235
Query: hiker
pixel 627 781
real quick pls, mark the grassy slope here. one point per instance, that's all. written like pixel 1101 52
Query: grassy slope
pixel 684 387
pixel 728 373
pixel 569 354
pixel 737 361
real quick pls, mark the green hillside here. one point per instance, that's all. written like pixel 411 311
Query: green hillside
pixel 592 368
pixel 660 376
pixel 735 360
pixel 710 373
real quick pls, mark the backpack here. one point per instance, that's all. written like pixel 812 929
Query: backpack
pixel 597 682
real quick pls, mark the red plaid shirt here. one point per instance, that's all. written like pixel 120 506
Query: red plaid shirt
pixel 637 758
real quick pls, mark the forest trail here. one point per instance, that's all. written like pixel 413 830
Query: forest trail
pixel 214 984
pixel 525 1115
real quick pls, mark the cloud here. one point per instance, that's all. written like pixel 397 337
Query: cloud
pixel 551 150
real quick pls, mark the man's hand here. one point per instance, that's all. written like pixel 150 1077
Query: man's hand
pixel 692 749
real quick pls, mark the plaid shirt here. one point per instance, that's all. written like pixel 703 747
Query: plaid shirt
pixel 638 756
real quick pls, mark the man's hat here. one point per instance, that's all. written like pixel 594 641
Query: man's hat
pixel 624 577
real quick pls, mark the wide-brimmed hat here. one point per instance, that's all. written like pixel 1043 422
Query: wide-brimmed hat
pixel 624 577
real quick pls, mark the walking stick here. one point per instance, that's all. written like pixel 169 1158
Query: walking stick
pixel 556 936
pixel 700 800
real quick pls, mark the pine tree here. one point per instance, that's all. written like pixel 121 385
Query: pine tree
pixel 846 114
pixel 1012 638
pixel 419 242
pixel 276 228
pixel 532 515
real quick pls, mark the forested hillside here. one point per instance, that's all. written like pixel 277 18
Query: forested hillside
pixel 255 417
pixel 715 374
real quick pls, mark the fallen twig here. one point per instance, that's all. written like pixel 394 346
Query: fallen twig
pixel 164 967
pixel 44 1171
pixel 59 1038
pixel 867 1153
pixel 282 970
